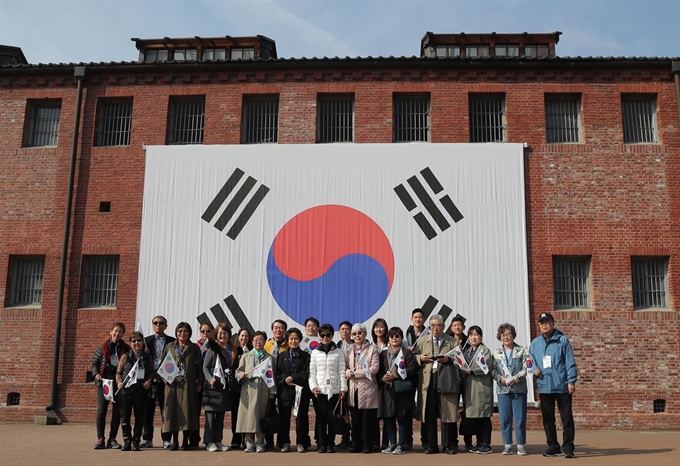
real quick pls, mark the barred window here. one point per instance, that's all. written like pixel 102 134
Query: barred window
pixel 508 50
pixel 214 54
pixel 536 51
pixel 242 53
pixel 487 118
pixel 100 281
pixel 411 118
pixel 448 51
pixel 571 287
pixel 185 120
pixel 154 55
pixel 114 120
pixel 185 54
pixel 335 118
pixel 27 280
pixel 563 119
pixel 477 51
pixel 43 123
pixel 650 284
pixel 639 119
pixel 260 119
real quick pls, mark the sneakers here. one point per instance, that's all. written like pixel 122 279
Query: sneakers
pixel 398 451
pixel 127 446
pixel 221 447
pixel 300 449
pixel 473 449
pixel 389 450
pixel 484 450
pixel 552 452
pixel 112 444
pixel 148 444
pixel 507 450
pixel 569 455
pixel 521 451
pixel 320 449
pixel 212 447
pixel 250 449
pixel 166 445
pixel 260 449
pixel 285 448
pixel 100 444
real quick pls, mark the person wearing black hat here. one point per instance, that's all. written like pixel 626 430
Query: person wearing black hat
pixel 555 371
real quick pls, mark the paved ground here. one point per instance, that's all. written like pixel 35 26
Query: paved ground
pixel 68 444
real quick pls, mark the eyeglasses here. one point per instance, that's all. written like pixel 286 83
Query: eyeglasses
pixel 436 325
pixel 326 335
pixel 357 333
pixel 182 330
pixel 158 322
pixel 135 341
pixel 206 330
pixel 395 336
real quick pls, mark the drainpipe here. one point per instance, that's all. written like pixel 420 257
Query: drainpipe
pixel 676 72
pixel 79 73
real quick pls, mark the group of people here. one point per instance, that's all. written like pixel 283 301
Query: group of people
pixel 424 373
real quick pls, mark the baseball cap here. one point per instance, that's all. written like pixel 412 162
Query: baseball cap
pixel 546 316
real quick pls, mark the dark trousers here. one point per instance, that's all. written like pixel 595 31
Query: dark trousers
pixel 102 408
pixel 323 406
pixel 236 437
pixel 482 427
pixel 301 427
pixel 156 394
pixel 429 434
pixel 563 401
pixel 213 431
pixel 135 401
pixel 390 424
pixel 363 425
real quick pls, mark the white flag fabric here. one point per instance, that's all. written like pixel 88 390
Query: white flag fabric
pixel 366 369
pixel 458 358
pixel 401 364
pixel 506 372
pixel 530 364
pixel 138 327
pixel 298 396
pixel 309 344
pixel 107 389
pixel 481 362
pixel 264 370
pixel 132 376
pixel 168 369
pixel 218 372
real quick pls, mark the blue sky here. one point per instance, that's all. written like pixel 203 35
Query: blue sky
pixel 57 31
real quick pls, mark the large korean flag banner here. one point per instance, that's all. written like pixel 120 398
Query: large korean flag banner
pixel 247 234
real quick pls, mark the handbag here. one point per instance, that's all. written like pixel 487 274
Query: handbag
pixel 448 379
pixel 272 419
pixel 340 419
pixel 402 387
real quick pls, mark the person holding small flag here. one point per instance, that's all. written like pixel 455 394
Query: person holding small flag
pixel 292 381
pixel 243 345
pixel 134 377
pixel 217 367
pixel 479 389
pixel 396 379
pixel 104 366
pixel 510 374
pixel 256 392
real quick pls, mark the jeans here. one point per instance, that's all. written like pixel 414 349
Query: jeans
pixel 213 431
pixel 102 408
pixel 390 424
pixel 548 413
pixel 513 406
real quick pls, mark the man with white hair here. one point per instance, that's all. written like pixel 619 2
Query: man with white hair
pixel 438 387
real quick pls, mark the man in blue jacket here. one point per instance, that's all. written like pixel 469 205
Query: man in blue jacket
pixel 555 372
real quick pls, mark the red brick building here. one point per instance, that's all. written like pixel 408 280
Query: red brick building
pixel 602 180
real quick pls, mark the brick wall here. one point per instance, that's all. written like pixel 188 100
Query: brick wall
pixel 599 198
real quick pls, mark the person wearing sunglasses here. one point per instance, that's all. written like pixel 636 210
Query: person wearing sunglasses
pixel 362 369
pixel 328 384
pixel 156 344
pixel 133 393
pixel 216 399
pixel 206 333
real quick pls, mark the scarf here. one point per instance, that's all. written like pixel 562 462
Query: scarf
pixel 121 348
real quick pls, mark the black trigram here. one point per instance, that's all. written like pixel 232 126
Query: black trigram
pixel 428 203
pixel 235 203
pixel 430 305
pixel 221 317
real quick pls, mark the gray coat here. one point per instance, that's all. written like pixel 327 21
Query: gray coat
pixel 479 387
pixel 448 404
pixel 252 406
pixel 182 406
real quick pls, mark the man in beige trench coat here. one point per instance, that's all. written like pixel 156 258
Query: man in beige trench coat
pixel 431 403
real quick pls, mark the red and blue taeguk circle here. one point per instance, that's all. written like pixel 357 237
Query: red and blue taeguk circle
pixel 331 262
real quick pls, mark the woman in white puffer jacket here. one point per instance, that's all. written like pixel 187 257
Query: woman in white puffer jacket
pixel 328 383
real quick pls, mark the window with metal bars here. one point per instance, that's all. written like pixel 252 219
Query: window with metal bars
pixel 114 121
pixel 43 123
pixel 563 119
pixel 260 122
pixel 411 118
pixel 27 281
pixel 639 119
pixel 487 117
pixel 335 118
pixel 185 120
pixel 650 286
pixel 571 284
pixel 100 281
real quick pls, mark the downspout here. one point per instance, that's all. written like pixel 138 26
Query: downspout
pixel 676 72
pixel 79 73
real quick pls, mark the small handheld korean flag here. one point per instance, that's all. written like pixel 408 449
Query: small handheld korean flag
pixel 132 376
pixel 138 327
pixel 458 358
pixel 481 362
pixel 298 397
pixel 506 372
pixel 401 365
pixel 530 364
pixel 218 372
pixel 107 389
pixel 168 369
pixel 265 372
pixel 367 371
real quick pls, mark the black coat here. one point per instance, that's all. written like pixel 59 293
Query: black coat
pixel 393 404
pixel 285 392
